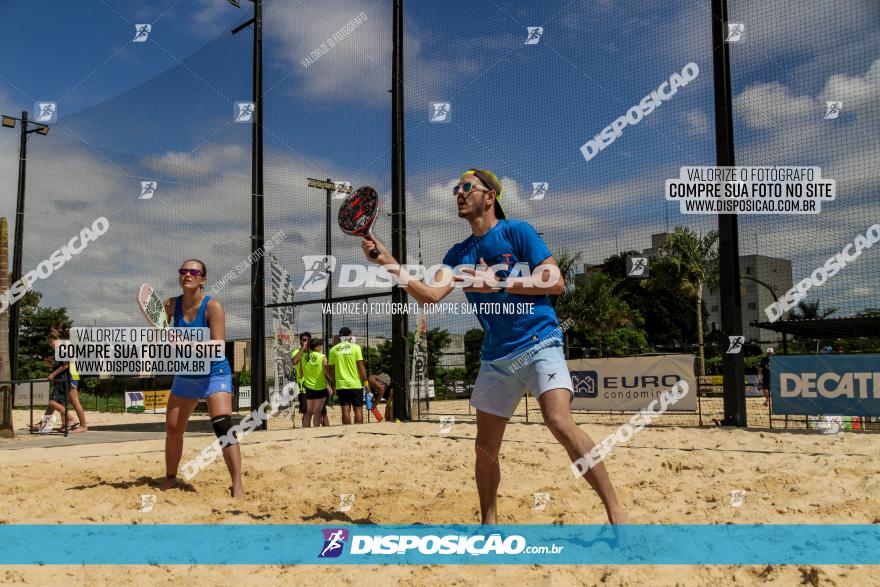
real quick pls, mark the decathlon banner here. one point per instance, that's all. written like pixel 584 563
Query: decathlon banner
pixel 630 384
pixel 282 323
pixel 839 385
pixel 319 544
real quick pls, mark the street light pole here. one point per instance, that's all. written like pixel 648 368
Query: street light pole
pixel 14 312
pixel 330 187
pixel 14 309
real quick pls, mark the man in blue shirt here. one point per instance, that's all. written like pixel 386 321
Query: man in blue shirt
pixel 505 262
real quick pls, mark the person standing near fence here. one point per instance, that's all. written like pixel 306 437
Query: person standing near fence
pixel 58 380
pixel 499 388
pixel 73 393
pixel 348 375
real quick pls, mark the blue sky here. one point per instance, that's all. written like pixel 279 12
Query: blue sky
pixel 161 110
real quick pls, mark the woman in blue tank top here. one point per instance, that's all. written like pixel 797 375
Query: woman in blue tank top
pixel 194 309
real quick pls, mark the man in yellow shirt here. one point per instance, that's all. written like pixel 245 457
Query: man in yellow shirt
pixel 347 374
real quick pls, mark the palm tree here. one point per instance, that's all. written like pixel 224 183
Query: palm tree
pixel 567 263
pixel 594 307
pixel 695 258
pixel 810 311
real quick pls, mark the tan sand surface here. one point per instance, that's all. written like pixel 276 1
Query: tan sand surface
pixel 408 473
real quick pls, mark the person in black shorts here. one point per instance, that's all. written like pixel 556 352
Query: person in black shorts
pixel 297 355
pixel 60 380
pixel 315 370
pixel 348 376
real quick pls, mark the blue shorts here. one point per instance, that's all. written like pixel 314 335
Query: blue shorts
pixel 502 383
pixel 203 386
pixel 75 382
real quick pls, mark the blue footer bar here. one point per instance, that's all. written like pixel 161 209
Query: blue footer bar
pixel 439 544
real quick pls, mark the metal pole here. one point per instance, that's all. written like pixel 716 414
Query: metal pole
pixel 728 230
pixel 258 293
pixel 399 323
pixel 328 293
pixel 14 310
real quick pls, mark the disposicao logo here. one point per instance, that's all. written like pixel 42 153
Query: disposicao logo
pixel 334 542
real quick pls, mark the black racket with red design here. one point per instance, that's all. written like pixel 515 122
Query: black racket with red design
pixel 358 212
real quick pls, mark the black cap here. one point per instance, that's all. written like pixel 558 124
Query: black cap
pixel 345 331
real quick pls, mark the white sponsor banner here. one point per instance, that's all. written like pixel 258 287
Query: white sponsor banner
pixel 630 383
pixel 244 396
pixel 23 394
pixel 422 391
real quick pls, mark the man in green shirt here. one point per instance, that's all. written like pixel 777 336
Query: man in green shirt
pixel 348 373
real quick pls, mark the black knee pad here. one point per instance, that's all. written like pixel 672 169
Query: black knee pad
pixel 222 425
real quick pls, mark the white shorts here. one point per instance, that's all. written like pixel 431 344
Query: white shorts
pixel 500 386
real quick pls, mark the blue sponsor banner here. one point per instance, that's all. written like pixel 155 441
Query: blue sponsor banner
pixel 839 385
pixel 434 544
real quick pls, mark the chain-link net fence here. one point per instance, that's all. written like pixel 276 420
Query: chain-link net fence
pixel 527 91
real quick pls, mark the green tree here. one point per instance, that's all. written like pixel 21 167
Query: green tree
pixel 810 311
pixel 36 322
pixel 594 307
pixel 695 259
pixel 371 359
pixel 668 316
pixel 473 343
pixel 601 319
pixel 623 341
pixel 567 263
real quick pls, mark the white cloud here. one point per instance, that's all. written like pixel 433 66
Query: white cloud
pixel 772 105
pixel 859 94
pixel 698 122
pixel 786 27
pixel 358 68
pixel 211 16
pixel 207 160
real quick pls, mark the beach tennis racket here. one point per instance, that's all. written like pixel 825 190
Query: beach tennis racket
pixel 358 212
pixel 152 307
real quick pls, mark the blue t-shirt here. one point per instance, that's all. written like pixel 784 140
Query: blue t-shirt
pixel 508 242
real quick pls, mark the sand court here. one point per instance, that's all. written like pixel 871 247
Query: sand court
pixel 412 473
